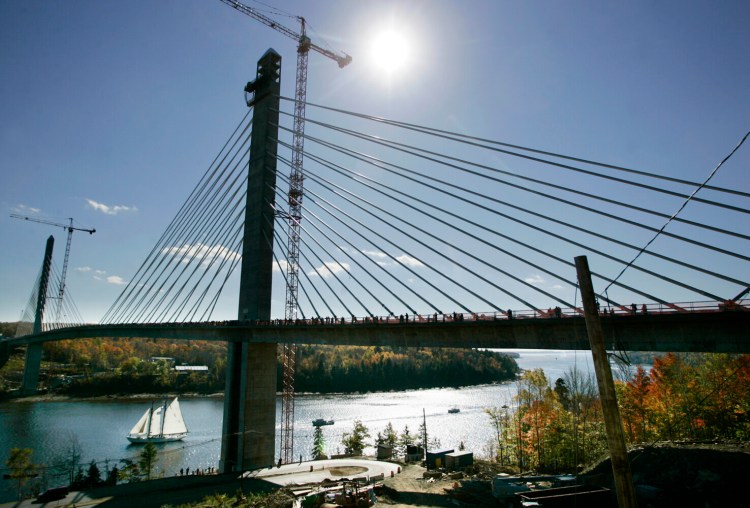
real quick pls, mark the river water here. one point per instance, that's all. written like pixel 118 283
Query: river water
pixel 100 426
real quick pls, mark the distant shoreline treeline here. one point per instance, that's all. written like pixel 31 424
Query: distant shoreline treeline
pixel 97 367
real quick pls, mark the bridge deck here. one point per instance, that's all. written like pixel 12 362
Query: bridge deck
pixel 726 331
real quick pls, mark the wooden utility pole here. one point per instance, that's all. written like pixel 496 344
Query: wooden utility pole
pixel 618 452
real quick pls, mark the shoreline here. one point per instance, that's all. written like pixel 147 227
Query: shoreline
pixel 56 397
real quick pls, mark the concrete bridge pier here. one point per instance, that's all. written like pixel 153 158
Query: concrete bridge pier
pixel 249 428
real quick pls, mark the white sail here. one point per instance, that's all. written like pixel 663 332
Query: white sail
pixel 155 428
pixel 159 424
pixel 140 427
pixel 173 422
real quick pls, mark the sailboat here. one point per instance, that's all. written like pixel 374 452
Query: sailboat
pixel 159 424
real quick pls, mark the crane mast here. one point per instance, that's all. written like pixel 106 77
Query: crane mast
pixel 294 217
pixel 69 228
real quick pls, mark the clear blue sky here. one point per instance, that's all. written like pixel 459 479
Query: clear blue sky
pixel 111 111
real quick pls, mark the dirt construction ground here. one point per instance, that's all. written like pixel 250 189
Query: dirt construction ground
pixel 410 489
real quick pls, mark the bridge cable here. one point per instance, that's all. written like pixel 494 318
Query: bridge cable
pixel 392 243
pixel 463 251
pixel 221 236
pixel 283 273
pixel 356 262
pixel 235 260
pixel 342 237
pixel 205 265
pixel 189 232
pixel 172 229
pixel 566 239
pixel 392 144
pixel 170 240
pixel 325 266
pixel 682 207
pixel 395 227
pixel 459 137
pixel 549 196
pixel 381 165
pixel 375 279
pixel 302 287
pixel 192 244
pixel 368 159
pixel 543 252
pixel 314 286
pixel 337 216
pixel 320 272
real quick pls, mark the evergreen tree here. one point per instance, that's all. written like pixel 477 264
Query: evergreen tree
pixel 129 472
pixel 112 476
pixel 79 481
pixel 94 476
pixel 354 442
pixel 147 459
pixel 389 436
pixel 318 451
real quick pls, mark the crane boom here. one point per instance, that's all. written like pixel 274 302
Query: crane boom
pixel 342 59
pixel 69 228
pixel 294 217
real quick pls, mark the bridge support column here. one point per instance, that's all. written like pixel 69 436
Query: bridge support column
pixel 33 362
pixel 249 428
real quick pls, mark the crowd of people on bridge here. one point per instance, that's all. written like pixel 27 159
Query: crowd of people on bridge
pixel 459 317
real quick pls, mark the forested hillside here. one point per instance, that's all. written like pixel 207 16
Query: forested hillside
pixel 107 366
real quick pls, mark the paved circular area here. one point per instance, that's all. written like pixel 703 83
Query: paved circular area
pixel 319 470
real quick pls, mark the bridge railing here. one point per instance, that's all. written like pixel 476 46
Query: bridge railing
pixel 551 313
pixel 463 317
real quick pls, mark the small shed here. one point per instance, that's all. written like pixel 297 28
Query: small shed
pixel 436 460
pixel 414 453
pixel 458 460
pixel 385 452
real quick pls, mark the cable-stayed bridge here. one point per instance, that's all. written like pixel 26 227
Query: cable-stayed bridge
pixel 417 236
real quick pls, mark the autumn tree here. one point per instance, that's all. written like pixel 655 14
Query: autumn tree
pixel 21 467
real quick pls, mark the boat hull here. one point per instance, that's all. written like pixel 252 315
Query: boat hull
pixel 156 439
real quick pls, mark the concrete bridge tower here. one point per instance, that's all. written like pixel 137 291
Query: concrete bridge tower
pixel 33 363
pixel 248 431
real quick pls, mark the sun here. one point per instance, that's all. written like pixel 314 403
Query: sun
pixel 390 51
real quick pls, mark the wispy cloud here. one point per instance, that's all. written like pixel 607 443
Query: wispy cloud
pixel 380 258
pixel 96 274
pixel 375 254
pixel 116 280
pixel 409 261
pixel 383 259
pixel 20 208
pixel 535 279
pixel 110 210
pixel 329 269
pixel 200 251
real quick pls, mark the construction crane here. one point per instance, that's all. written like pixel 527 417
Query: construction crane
pixel 294 218
pixel 69 228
